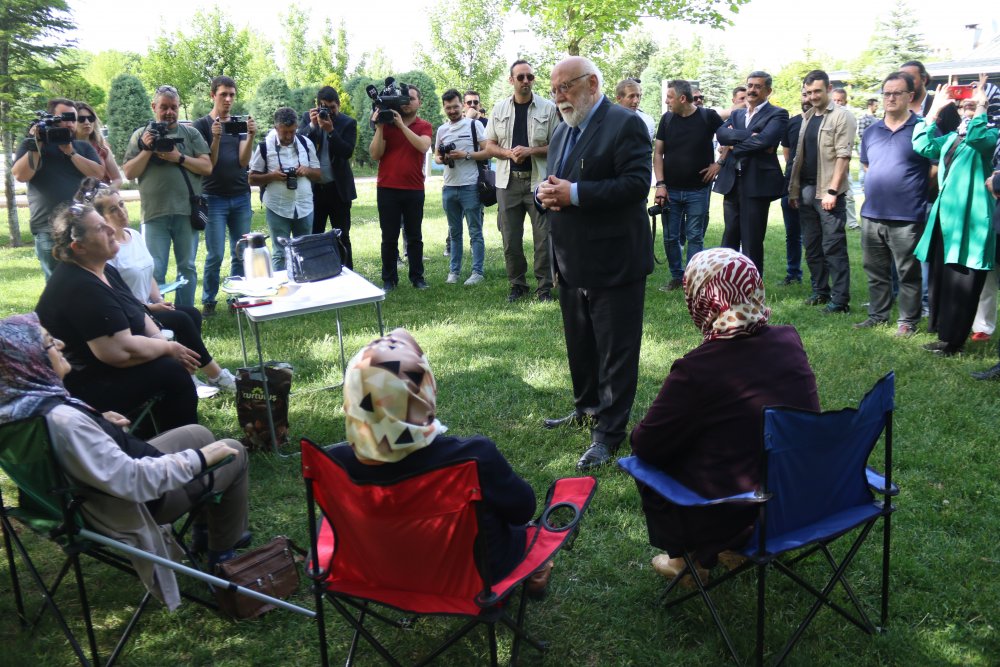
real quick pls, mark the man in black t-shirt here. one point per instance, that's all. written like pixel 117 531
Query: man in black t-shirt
pixel 226 189
pixel 684 165
pixel 53 173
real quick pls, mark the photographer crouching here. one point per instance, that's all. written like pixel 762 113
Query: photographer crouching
pixel 401 140
pixel 277 164
pixel 460 195
pixel 166 156
pixel 52 143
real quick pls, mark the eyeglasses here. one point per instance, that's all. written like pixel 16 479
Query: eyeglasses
pixel 49 342
pixel 525 77
pixel 166 89
pixel 87 119
pixel 564 87
pixel 698 98
pixel 472 103
pixel 101 189
pixel 895 93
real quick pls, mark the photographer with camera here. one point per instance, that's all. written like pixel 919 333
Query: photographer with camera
pixel 165 156
pixel 276 166
pixel 460 195
pixel 401 140
pixel 230 140
pixel 52 161
pixel 334 135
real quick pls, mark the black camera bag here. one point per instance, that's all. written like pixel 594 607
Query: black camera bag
pixel 199 204
pixel 314 256
pixel 487 182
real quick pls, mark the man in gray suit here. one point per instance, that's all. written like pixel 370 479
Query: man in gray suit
pixel 599 166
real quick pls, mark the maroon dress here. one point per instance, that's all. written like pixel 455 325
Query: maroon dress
pixel 704 429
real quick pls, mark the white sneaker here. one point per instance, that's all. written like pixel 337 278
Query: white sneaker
pixel 452 278
pixel 203 390
pixel 475 279
pixel 224 380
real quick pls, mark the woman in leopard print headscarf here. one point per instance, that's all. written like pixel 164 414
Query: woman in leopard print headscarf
pixel 704 426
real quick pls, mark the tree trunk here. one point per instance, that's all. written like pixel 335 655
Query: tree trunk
pixel 7 139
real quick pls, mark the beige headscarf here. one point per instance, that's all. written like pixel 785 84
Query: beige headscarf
pixel 724 294
pixel 390 399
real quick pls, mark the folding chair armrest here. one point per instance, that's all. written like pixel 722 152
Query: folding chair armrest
pixel 876 481
pixel 675 492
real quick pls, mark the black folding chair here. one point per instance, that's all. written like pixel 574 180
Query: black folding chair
pixel 816 489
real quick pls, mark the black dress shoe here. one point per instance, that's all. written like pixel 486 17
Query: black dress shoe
pixel 596 455
pixel 990 374
pixel 572 419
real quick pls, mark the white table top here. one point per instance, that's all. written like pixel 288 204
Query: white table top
pixel 347 289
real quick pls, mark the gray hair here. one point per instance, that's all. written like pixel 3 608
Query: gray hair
pixel 761 74
pixel 286 116
pixel 166 91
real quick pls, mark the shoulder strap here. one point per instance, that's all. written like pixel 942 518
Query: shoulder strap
pixel 475 137
pixel 302 140
pixel 187 181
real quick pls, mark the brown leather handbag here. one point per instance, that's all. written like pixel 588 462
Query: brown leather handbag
pixel 269 569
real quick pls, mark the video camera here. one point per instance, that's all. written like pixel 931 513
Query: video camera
pixel 49 130
pixel 391 98
pixel 443 150
pixel 161 142
pixel 236 125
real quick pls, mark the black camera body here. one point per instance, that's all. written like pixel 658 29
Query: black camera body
pixel 390 98
pixel 655 210
pixel 161 142
pixel 291 178
pixel 236 125
pixel 443 150
pixel 49 130
pixel 323 113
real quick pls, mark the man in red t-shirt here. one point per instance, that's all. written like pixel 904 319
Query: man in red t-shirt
pixel 399 149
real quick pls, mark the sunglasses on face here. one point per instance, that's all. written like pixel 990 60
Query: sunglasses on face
pixel 472 103
pixel 87 119
pixel 525 77
pixel 698 98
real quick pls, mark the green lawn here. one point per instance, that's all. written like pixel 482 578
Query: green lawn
pixel 500 370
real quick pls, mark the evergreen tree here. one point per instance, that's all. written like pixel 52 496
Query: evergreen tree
pixel 128 109
pixel 272 94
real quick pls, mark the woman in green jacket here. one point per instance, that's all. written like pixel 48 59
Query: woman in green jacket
pixel 958 242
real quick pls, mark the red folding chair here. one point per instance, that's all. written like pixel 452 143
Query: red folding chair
pixel 412 546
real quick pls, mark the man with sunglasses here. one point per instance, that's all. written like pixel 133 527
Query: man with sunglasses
pixel 518 135
pixel 65 165
pixel 473 107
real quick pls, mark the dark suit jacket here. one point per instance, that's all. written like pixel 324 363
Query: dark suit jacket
pixel 340 145
pixel 606 240
pixel 756 148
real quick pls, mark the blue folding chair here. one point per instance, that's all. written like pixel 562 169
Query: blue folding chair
pixel 816 489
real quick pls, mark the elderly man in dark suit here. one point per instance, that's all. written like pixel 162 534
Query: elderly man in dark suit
pixel 599 166
pixel 751 177
pixel 334 135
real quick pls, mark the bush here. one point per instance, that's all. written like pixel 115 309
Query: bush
pixel 128 109
pixel 272 94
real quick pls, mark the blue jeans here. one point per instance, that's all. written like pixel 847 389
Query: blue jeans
pixel 43 250
pixel 234 214
pixel 793 240
pixel 688 208
pixel 463 200
pixel 159 233
pixel 280 226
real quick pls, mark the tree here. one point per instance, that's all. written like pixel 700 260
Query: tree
pixel 576 20
pixel 31 48
pixel 128 109
pixel 627 60
pixel 101 68
pixel 272 94
pixel 464 50
pixel 674 60
pixel 895 41
pixel 788 81
pixel 717 76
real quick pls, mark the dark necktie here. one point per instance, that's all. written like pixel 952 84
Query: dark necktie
pixel 574 134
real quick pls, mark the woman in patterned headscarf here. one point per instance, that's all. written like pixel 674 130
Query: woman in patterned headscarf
pixel 390 407
pixel 704 426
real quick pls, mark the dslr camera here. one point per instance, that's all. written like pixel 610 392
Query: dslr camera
pixel 236 125
pixel 291 179
pixel 49 130
pixel 391 98
pixel 161 142
pixel 323 113
pixel 443 150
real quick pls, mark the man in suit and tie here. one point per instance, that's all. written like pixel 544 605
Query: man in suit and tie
pixel 334 135
pixel 751 177
pixel 599 166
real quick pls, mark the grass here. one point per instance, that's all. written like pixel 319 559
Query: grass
pixel 500 370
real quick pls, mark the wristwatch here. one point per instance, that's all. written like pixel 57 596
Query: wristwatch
pixel 468 155
pixel 831 191
pixel 181 159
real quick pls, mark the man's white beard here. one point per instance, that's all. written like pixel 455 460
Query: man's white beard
pixel 578 114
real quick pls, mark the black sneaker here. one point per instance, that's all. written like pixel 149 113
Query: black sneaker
pixel 544 296
pixel 208 309
pixel 420 283
pixel 817 299
pixel 870 323
pixel 388 286
pixel 516 292
pixel 838 308
pixel 790 280
pixel 672 285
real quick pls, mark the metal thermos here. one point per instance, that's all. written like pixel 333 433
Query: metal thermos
pixel 256 256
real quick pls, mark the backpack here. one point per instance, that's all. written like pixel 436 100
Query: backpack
pixel 262 147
